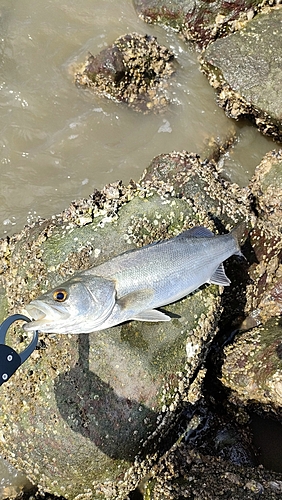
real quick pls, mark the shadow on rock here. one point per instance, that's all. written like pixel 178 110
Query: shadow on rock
pixel 92 408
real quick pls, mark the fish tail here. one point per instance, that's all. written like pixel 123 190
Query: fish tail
pixel 240 233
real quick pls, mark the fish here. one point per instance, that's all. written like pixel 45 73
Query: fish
pixel 135 284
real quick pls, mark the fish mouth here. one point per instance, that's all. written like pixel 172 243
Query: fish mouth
pixel 42 314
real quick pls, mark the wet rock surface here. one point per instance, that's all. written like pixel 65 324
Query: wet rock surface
pixel 245 70
pixel 134 70
pixel 266 186
pixel 186 176
pixel 199 21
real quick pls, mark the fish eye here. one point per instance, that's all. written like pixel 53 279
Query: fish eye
pixel 60 295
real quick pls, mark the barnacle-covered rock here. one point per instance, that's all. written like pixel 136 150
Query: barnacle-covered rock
pixel 266 186
pixel 186 473
pixel 88 415
pixel 264 291
pixel 134 70
pixel 245 69
pixel 253 367
pixel 185 175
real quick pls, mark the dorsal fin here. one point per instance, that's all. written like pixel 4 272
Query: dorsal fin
pixel 196 232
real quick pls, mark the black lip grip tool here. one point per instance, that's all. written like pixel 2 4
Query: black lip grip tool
pixel 10 360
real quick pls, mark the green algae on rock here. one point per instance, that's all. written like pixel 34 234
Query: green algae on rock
pixel 134 70
pixel 89 415
pixel 245 69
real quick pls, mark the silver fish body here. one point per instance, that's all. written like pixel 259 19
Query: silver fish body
pixel 134 284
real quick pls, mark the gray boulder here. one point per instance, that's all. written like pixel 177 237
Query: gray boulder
pixel 245 69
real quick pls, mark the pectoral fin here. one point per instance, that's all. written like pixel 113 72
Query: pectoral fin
pixel 151 315
pixel 137 305
pixel 219 277
pixel 134 301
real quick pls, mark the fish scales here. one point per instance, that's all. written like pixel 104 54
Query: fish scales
pixel 186 263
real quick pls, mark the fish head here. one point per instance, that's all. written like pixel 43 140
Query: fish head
pixel 79 305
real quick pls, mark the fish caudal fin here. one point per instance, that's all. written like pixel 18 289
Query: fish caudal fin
pixel 239 233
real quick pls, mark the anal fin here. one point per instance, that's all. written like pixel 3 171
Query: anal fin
pixel 219 277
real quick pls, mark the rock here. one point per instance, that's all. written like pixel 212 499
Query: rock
pixel 200 21
pixel 266 186
pixel 245 69
pixel 134 70
pixel 87 416
pixel 186 473
pixel 264 291
pixel 184 175
pixel 253 368
pixel 215 147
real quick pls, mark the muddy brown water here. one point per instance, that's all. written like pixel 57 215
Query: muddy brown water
pixel 58 142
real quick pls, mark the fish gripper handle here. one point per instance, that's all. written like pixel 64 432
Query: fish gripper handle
pixel 10 360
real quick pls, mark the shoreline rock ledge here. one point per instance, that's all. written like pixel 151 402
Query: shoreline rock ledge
pixel 245 68
pixel 87 416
